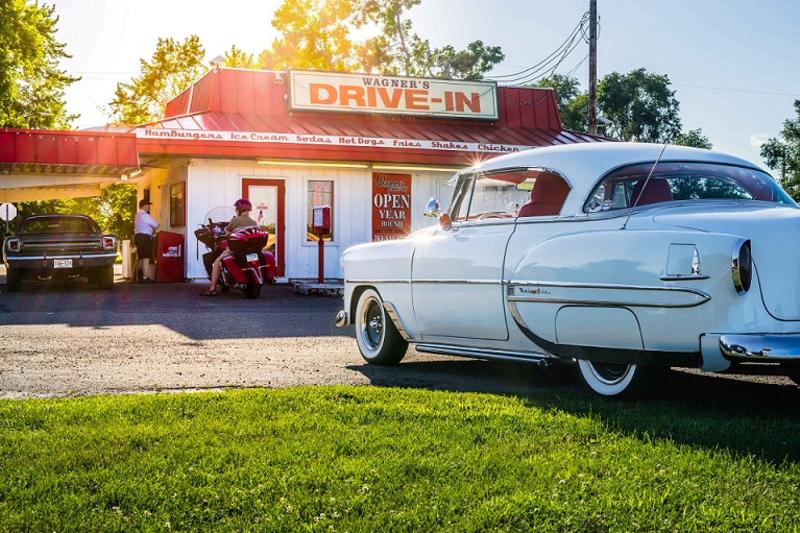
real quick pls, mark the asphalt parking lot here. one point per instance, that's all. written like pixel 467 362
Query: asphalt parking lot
pixel 72 340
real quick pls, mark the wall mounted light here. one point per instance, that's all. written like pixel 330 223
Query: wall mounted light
pixel 312 164
pixel 414 168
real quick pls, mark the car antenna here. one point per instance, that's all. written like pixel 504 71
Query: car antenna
pixel 644 188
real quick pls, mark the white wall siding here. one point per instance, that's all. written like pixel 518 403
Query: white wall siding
pixel 212 183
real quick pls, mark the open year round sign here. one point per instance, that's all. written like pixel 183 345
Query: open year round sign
pixel 391 206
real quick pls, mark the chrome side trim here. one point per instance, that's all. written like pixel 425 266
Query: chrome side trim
pixel 459 281
pixel 430 280
pixel 483 353
pixel 764 347
pixel 41 257
pixel 394 316
pixel 536 291
pixel 377 281
pixel 679 277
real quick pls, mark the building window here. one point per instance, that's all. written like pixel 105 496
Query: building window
pixel 320 192
pixel 177 204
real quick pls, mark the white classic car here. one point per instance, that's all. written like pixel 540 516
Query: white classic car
pixel 623 257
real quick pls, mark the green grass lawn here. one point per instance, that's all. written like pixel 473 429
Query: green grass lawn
pixel 368 458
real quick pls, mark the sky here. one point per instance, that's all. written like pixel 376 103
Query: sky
pixel 733 63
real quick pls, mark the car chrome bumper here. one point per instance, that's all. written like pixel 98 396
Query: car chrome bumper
pixel 46 262
pixel 765 347
pixel 342 319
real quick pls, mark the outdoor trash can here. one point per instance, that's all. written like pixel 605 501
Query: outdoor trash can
pixel 169 257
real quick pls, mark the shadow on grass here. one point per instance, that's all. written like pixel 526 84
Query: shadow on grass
pixel 714 412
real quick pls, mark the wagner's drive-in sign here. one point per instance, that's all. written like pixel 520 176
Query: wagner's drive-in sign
pixel 396 95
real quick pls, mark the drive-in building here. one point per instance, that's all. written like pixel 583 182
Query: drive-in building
pixel 373 148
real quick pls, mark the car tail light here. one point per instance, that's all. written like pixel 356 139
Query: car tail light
pixel 109 242
pixel 14 245
pixel 742 267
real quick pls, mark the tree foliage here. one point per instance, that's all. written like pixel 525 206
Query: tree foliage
pixel 114 210
pixel 313 34
pixel 640 105
pixel 236 58
pixel 317 34
pixel 172 68
pixel 31 83
pixel 694 138
pixel 398 50
pixel 782 153
pixel 573 105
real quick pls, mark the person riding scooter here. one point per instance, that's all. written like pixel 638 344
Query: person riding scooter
pixel 241 220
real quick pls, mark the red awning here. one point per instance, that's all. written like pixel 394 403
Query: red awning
pixel 67 152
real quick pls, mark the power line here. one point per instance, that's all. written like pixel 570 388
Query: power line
pixel 735 90
pixel 576 67
pixel 550 67
pixel 543 63
pixel 728 89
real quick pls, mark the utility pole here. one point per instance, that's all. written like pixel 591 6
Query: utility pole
pixel 593 67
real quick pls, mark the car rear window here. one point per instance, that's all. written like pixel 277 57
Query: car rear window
pixel 57 225
pixel 676 181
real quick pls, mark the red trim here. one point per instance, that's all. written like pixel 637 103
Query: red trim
pixel 324 153
pixel 281 222
pixel 106 152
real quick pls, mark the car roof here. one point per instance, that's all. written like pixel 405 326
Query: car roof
pixel 584 164
pixel 57 215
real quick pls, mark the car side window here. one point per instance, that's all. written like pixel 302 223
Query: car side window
pixel 642 184
pixel 495 198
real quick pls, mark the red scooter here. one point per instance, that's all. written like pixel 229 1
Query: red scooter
pixel 249 267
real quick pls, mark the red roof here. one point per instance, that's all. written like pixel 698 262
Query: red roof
pixel 71 152
pixel 235 100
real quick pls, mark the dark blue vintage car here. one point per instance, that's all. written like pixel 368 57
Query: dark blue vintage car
pixel 59 247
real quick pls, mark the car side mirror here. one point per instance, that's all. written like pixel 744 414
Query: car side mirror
pixel 432 209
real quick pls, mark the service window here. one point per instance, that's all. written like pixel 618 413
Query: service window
pixel 320 192
pixel 177 204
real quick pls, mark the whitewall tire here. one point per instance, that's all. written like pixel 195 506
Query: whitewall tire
pixel 378 340
pixel 612 379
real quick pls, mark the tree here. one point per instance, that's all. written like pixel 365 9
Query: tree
pixel 31 84
pixel 397 50
pixel 236 58
pixel 314 34
pixel 693 138
pixel 172 68
pixel 573 105
pixel 782 153
pixel 113 210
pixel 640 105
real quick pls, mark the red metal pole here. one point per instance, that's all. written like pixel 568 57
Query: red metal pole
pixel 321 250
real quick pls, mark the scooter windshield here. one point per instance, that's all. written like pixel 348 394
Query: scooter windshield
pixel 222 213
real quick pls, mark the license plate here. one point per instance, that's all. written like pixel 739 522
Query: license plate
pixel 62 263
pixel 251 257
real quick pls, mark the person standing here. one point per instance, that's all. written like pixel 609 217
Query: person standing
pixel 144 227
